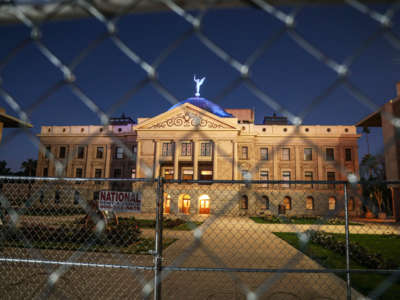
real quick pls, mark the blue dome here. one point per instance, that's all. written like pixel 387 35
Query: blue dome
pixel 206 105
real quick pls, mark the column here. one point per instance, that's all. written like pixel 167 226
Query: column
pixel 138 159
pixel 176 160
pixel 195 145
pixel 298 163
pixel 215 159
pixel 156 159
pixel 235 160
pixel 275 157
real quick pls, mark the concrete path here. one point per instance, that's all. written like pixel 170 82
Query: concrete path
pixel 241 243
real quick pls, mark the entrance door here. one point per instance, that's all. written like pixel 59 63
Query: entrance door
pixel 204 204
pixel 167 204
pixel 186 205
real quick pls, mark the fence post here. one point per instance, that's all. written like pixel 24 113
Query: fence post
pixel 346 214
pixel 159 231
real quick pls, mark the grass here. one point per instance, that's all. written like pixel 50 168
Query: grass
pixel 388 246
pixel 142 246
pixel 300 221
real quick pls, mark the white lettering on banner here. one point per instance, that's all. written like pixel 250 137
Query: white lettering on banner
pixel 120 201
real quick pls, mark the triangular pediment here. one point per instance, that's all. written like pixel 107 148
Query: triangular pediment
pixel 187 117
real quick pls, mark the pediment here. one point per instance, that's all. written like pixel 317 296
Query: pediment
pixel 187 117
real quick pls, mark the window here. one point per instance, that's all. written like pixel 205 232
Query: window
pixel 332 203
pixel 185 204
pixel 45 172
pixel 187 174
pixel 47 152
pixel 166 149
pixel 244 202
pixel 99 152
pixel 133 172
pixel 263 153
pixel 97 174
pixel 186 149
pixel 348 154
pixel 286 177
pixel 287 203
pixel 245 152
pixel 134 151
pixel 78 172
pixel 264 175
pixel 308 175
pixel 310 203
pixel 246 175
pixel 330 176
pixel 119 153
pixel 117 173
pixel 265 201
pixel 169 173
pixel 62 152
pixel 329 154
pixel 81 152
pixel 205 149
pixel 285 154
pixel 307 153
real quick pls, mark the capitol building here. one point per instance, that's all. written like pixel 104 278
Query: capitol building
pixel 197 139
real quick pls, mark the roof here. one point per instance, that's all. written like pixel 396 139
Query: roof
pixel 375 119
pixel 206 105
pixel 12 122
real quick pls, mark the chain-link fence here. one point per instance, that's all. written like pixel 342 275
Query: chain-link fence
pixel 215 239
pixel 197 239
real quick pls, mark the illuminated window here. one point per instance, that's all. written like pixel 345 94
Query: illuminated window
pixel 99 152
pixel 245 152
pixel 310 203
pixel 287 202
pixel 168 173
pixel 166 149
pixel 167 203
pixel 329 154
pixel 332 203
pixel 187 174
pixel 204 204
pixel 307 153
pixel 186 149
pixel 205 149
pixel 285 154
pixel 185 204
pixel 263 153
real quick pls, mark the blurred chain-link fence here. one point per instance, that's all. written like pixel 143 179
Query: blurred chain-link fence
pixel 192 239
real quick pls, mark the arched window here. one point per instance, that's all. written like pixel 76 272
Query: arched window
pixel 310 203
pixel 244 202
pixel 332 203
pixel 351 204
pixel 265 201
pixel 287 202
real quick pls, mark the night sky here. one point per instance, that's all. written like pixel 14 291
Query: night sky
pixel 285 71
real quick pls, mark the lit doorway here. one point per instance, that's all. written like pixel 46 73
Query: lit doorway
pixel 184 204
pixel 167 203
pixel 204 205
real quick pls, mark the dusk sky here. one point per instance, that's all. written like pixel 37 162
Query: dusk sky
pixel 286 72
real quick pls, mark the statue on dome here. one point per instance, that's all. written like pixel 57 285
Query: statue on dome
pixel 199 82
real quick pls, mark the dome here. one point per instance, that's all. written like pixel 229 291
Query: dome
pixel 206 105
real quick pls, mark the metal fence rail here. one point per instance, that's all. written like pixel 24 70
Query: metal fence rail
pixel 229 239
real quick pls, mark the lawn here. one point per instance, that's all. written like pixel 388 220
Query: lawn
pixel 301 220
pixel 386 245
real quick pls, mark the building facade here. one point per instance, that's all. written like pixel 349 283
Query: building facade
pixel 198 140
